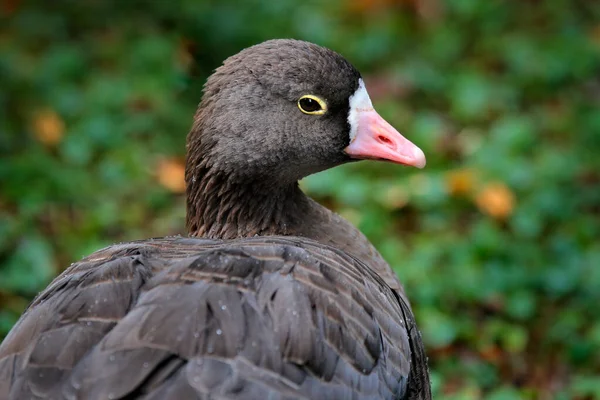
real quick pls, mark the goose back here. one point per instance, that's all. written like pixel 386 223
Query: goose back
pixel 274 317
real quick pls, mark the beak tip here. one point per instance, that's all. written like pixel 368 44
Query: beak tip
pixel 420 160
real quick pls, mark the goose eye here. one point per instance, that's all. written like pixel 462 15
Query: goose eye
pixel 312 105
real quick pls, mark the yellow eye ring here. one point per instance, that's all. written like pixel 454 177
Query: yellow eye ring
pixel 312 105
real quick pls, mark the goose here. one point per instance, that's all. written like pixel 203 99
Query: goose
pixel 271 295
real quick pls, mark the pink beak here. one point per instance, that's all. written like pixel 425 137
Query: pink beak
pixel 376 139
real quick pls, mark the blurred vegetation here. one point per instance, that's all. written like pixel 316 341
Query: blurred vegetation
pixel 497 240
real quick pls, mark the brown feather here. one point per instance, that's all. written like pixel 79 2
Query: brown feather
pixel 284 316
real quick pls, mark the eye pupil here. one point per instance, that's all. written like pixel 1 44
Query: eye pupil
pixel 309 105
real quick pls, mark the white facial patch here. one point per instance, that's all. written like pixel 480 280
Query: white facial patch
pixel 359 102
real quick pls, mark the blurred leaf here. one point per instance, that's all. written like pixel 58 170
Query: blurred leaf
pixel 505 393
pixel 171 174
pixel 48 127
pixel 496 200
pixel 439 329
pixel 586 386
pixel 460 182
pixel 30 267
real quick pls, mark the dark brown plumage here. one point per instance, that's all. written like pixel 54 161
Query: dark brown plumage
pixel 280 299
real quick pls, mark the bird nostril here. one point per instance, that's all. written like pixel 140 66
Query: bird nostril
pixel 384 140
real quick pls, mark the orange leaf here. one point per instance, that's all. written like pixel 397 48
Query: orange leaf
pixel 48 127
pixel 460 182
pixel 496 200
pixel 171 174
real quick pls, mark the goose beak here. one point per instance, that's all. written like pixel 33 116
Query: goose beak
pixel 374 138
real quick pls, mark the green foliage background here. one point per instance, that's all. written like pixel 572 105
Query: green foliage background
pixel 497 240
